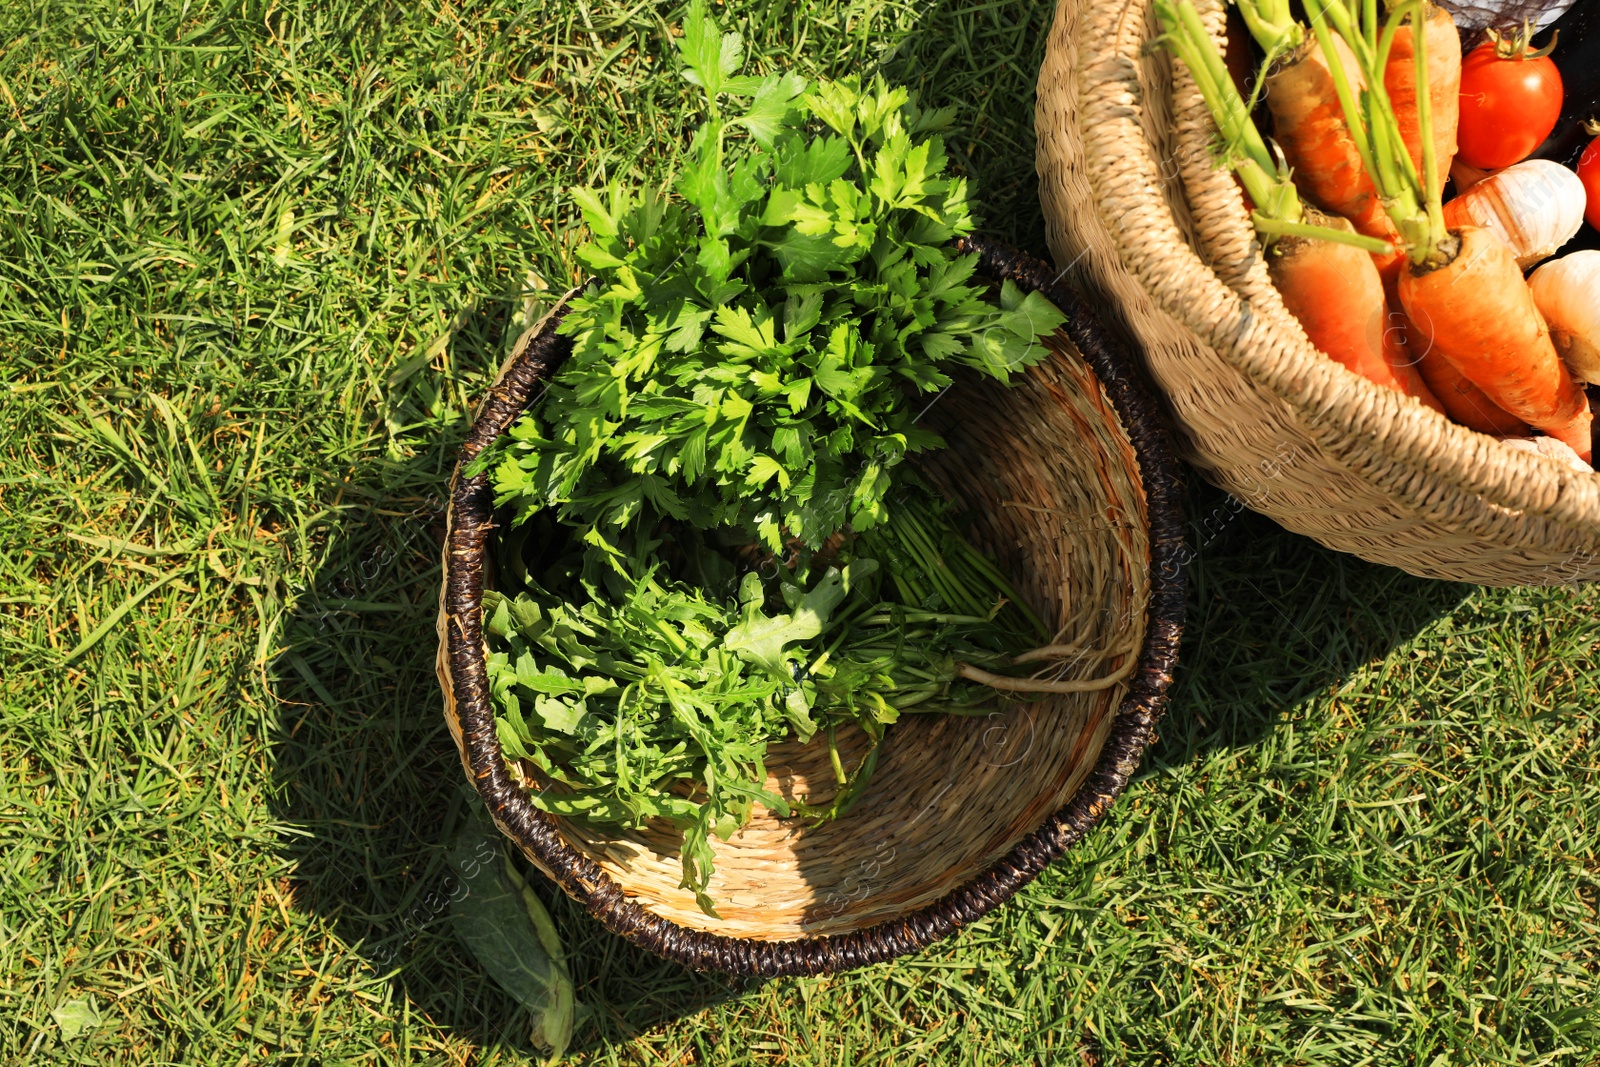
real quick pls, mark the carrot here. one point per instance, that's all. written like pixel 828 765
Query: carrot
pixel 1463 402
pixel 1479 314
pixel 1336 294
pixel 1444 87
pixel 1311 128
pixel 1461 288
pixel 1317 144
pixel 1321 266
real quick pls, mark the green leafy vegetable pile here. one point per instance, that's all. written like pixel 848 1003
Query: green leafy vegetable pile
pixel 730 551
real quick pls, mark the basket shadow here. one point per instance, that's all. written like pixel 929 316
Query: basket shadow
pixel 1274 617
pixel 367 783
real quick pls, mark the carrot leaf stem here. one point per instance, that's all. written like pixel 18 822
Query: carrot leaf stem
pixel 1384 106
pixel 1339 15
pixel 1410 198
pixel 1391 29
pixel 1244 148
pixel 1263 173
pixel 1432 194
pixel 1272 24
pixel 1341 82
pixel 1273 197
pixel 1281 228
pixel 1216 86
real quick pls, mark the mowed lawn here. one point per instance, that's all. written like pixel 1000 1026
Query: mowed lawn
pixel 256 260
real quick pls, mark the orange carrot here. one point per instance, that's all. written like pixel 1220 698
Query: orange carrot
pixel 1479 315
pixel 1321 266
pixel 1463 402
pixel 1461 288
pixel 1335 292
pixel 1309 125
pixel 1444 87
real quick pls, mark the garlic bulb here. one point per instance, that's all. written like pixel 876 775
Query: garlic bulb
pixel 1559 451
pixel 1534 207
pixel 1567 292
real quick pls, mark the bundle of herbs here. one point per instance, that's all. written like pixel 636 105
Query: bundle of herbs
pixel 715 541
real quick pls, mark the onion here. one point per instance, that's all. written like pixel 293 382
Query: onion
pixel 1535 207
pixel 1568 295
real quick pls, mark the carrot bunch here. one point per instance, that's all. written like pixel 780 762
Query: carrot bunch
pixel 1364 111
pixel 1461 288
pixel 1324 268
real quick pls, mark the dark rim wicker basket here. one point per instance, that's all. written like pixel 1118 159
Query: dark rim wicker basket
pixel 463 674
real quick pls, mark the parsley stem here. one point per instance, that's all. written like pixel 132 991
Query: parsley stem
pixel 925 616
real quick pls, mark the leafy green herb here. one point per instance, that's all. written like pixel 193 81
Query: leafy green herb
pixel 638 697
pixel 754 352
pixel 706 483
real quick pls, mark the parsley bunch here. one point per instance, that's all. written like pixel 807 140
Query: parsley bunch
pixel 714 543
pixel 754 352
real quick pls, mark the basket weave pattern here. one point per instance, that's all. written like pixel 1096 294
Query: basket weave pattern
pixel 1075 492
pixel 1138 213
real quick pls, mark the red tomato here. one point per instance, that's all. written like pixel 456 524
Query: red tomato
pixel 1589 171
pixel 1508 107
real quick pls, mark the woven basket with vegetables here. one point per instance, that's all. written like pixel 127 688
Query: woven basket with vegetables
pixel 1330 296
pixel 811 579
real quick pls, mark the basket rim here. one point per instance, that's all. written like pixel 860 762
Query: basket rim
pixel 1423 452
pixel 463 672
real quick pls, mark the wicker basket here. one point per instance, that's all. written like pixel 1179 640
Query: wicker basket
pixel 1070 477
pixel 1142 217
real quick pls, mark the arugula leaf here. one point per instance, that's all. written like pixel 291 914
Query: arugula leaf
pixel 761 639
pixel 669 684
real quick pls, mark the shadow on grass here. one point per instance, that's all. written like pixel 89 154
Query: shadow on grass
pixel 369 781
pixel 1274 618
pixel 372 791
pixel 369 788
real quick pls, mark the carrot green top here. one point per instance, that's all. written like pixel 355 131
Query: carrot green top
pixel 1272 24
pixel 1412 200
pixel 1263 173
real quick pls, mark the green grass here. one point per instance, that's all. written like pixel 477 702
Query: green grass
pixel 255 261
